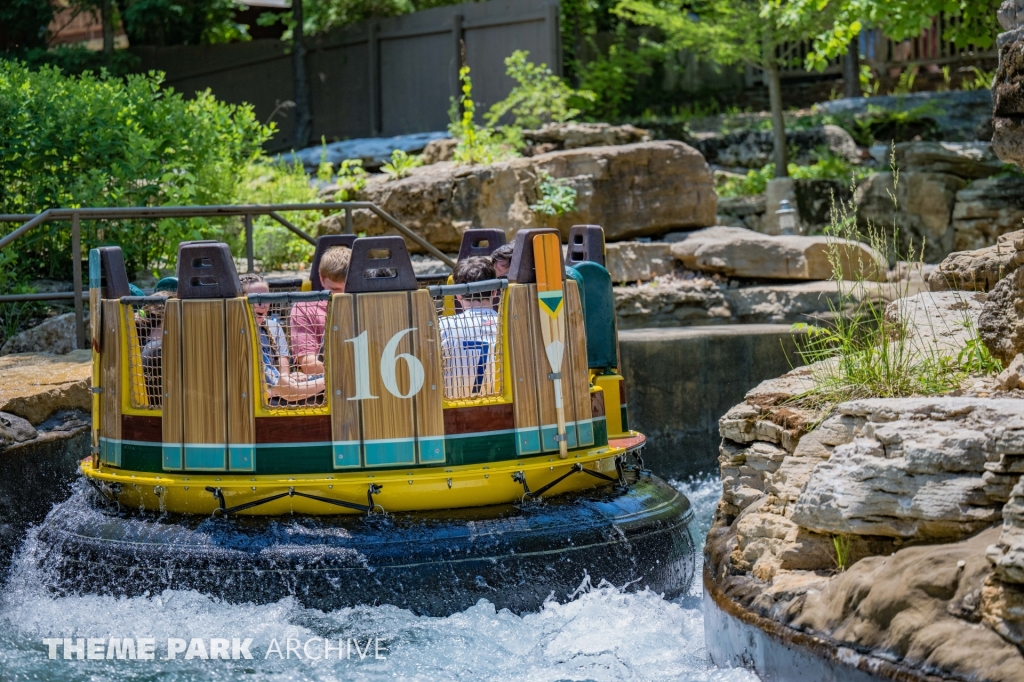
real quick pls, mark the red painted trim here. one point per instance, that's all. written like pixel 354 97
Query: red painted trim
pixel 597 408
pixel 628 443
pixel 479 419
pixel 142 429
pixel 297 429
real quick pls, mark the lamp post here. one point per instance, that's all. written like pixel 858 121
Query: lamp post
pixel 786 216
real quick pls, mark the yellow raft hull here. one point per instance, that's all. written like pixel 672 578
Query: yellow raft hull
pixel 398 490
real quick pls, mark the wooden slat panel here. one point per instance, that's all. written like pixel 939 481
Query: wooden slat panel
pixel 240 417
pixel 204 385
pixel 577 383
pixel 340 361
pixel 110 398
pixel 521 311
pixel 386 418
pixel 174 419
pixel 429 401
pixel 545 386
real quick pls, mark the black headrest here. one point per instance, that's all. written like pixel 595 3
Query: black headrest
pixel 114 276
pixel 586 243
pixel 206 270
pixel 480 242
pixel 323 243
pixel 362 275
pixel 523 268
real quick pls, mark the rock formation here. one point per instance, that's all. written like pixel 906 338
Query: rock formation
pixel 980 269
pixel 631 190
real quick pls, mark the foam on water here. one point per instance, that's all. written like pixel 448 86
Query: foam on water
pixel 604 634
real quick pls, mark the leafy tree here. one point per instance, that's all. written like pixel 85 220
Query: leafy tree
pixel 179 22
pixel 23 24
pixel 898 19
pixel 731 32
pixel 538 97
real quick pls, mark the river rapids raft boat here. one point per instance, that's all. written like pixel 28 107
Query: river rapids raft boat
pixel 427 465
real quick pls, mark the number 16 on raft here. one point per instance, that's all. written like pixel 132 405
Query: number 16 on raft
pixel 547 254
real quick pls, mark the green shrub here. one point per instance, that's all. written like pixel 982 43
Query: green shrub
pixel 265 182
pixel 613 77
pixel 538 97
pixel 400 165
pixel 827 167
pixel 556 196
pixel 181 22
pixel 75 60
pixel 94 141
pixel 479 144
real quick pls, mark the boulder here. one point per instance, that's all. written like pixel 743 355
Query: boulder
pixel 980 269
pixel 439 150
pixel 1007 554
pixel 920 469
pixel 674 303
pixel 962 115
pixel 14 429
pixel 736 252
pixel 937 323
pixel 36 385
pixel 753 148
pixel 1008 97
pixel 747 210
pixel 968 160
pixel 987 209
pixel 923 211
pixel 1001 323
pixel 55 335
pixel 816 199
pixel 573 135
pixel 637 261
pixel 631 190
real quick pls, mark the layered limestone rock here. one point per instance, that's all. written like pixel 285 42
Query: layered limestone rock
pixel 638 261
pixel 1001 323
pixel 980 269
pixel 631 190
pixel 736 252
pixel 986 210
pixel 55 335
pixel 753 148
pixel 939 323
pixel 36 385
pixel 968 160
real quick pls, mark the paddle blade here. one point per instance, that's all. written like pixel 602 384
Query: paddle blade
pixel 547 256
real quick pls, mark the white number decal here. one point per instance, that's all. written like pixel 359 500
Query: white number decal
pixel 388 365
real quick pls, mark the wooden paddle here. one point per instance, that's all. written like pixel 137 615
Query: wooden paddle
pixel 547 255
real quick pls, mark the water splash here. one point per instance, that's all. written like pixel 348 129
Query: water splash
pixel 604 634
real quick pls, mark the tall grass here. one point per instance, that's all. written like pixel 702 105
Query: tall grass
pixel 864 353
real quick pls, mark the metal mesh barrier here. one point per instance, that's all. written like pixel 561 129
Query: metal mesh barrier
pixel 290 342
pixel 469 321
pixel 144 322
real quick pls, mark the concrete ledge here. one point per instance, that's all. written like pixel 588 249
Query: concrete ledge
pixel 680 380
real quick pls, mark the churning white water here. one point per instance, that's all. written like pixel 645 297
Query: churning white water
pixel 603 634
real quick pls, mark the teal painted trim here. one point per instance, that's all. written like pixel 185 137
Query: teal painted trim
pixel 390 452
pixel 141 456
pixel 346 454
pixel 95 275
pixel 585 432
pixel 242 457
pixel 431 450
pixel 527 441
pixel 481 449
pixel 171 456
pixel 479 434
pixel 600 432
pixel 549 431
pixel 205 457
pixel 110 451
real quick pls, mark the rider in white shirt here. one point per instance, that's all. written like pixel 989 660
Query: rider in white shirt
pixel 469 339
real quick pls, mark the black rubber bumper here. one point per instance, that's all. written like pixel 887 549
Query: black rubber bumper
pixel 432 563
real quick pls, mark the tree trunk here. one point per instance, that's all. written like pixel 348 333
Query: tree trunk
pixel 781 155
pixel 303 113
pixel 107 20
pixel 851 69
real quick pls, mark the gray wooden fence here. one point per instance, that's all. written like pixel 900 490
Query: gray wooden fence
pixel 381 77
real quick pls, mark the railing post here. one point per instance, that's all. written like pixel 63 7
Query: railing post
pixel 76 269
pixel 249 251
pixel 348 220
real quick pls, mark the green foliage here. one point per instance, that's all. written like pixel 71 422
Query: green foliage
pixel 351 180
pixel 982 80
pixel 24 24
pixel 538 97
pixel 95 141
pixel 323 15
pixel 827 167
pixel 266 182
pixel 73 61
pixel 864 353
pixel 400 165
pixel 898 19
pixel 181 22
pixel 555 196
pixel 613 77
pixel 841 543
pixel 478 144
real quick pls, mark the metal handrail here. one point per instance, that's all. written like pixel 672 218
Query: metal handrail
pixel 76 215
